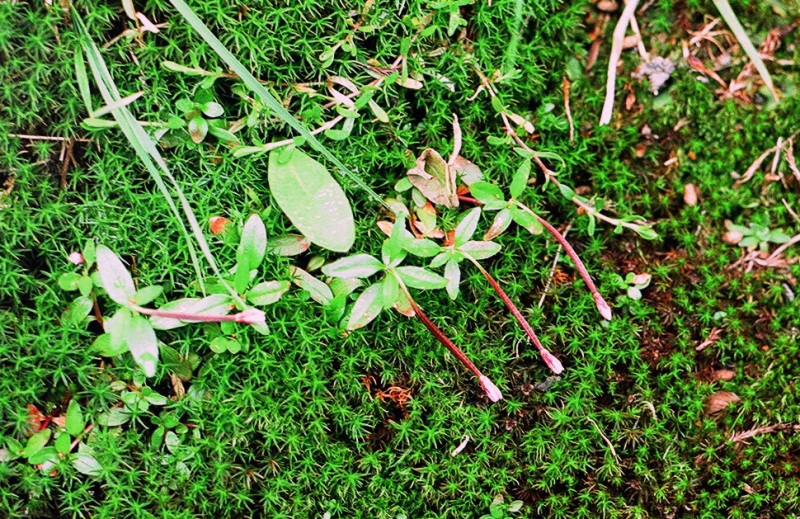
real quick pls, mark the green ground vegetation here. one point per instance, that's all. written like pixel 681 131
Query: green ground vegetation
pixel 310 422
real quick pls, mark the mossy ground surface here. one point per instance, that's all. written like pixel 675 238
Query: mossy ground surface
pixel 293 426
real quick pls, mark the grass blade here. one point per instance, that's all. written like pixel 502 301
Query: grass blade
pixel 268 99
pixel 148 153
pixel 725 9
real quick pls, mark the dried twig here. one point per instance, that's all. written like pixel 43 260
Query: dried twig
pixel 616 52
pixel 553 268
pixel 608 442
pixel 745 435
pixel 565 88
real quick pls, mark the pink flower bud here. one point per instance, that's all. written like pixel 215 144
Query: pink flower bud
pixel 602 306
pixel 251 316
pixel 492 391
pixel 552 362
pixel 76 258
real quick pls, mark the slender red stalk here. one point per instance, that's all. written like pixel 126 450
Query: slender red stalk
pixel 249 316
pixel 602 306
pixel 492 391
pixel 551 361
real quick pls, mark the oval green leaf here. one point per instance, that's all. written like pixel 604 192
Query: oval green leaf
pixel 116 279
pixel 368 305
pixel 307 193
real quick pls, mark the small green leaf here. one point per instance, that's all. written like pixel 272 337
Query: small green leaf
pixel 77 311
pixel 498 105
pixel 486 192
pixel 392 250
pixel 390 291
pixel 566 191
pixel 157 439
pixel 63 443
pixel 48 455
pixel 357 266
pixel 526 220
pixel 520 180
pixel 116 279
pixel 212 109
pixel 308 194
pixel 367 307
pixel 222 344
pixel 288 245
pixel 222 133
pixel 115 417
pixel 647 232
pixel 36 443
pixel 423 279
pixel 85 286
pixel 74 420
pixel 421 247
pixel 102 345
pixel 142 342
pixel 319 291
pixel 466 227
pixel 268 292
pixel 86 464
pixel 501 222
pixel 379 112
pixel 344 286
pixel 402 185
pixel 69 281
pixel 452 272
pixel 253 243
pixel 198 129
pixel 590 227
pixel 481 249
pixel 89 253
pixel 147 294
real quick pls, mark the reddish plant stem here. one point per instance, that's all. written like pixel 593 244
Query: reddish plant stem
pixel 509 304
pixel 551 361
pixel 442 338
pixel 602 306
pixel 491 390
pixel 240 317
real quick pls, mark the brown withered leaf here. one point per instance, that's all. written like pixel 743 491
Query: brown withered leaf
pixel 434 178
pixel 466 170
pixel 719 401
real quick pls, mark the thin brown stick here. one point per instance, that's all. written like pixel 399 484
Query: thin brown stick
pixel 553 268
pixel 65 162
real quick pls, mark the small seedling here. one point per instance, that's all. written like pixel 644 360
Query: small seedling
pixel 500 510
pixel 200 117
pixel 68 432
pixel 756 235
pixel 633 284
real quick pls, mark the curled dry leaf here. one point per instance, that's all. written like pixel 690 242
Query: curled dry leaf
pixel 434 178
pixel 469 172
pixel 719 401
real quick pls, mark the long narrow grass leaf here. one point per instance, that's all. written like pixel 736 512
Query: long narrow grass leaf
pixel 268 99
pixel 148 153
pixel 730 18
